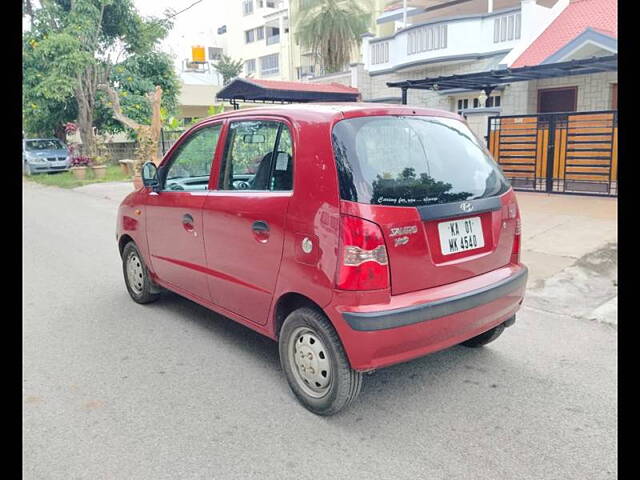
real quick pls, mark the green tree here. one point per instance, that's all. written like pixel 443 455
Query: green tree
pixel 228 68
pixel 74 45
pixel 332 29
pixel 134 78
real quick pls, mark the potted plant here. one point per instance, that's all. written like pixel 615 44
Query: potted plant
pixel 98 166
pixel 79 165
pixel 144 151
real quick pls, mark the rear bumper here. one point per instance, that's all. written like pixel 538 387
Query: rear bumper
pixel 382 320
pixel 415 324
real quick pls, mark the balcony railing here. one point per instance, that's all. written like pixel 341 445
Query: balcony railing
pixel 455 37
pixel 273 39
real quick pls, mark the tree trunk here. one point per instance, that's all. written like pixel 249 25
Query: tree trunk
pixel 85 127
pixel 85 96
pixel 156 122
pixel 60 133
pixel 148 135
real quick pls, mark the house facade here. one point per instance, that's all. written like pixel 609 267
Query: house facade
pixel 448 38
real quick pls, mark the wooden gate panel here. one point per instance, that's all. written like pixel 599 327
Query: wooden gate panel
pixel 583 156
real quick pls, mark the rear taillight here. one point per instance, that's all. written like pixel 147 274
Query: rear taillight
pixel 515 252
pixel 362 260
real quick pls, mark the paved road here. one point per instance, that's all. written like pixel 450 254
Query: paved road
pixel 115 390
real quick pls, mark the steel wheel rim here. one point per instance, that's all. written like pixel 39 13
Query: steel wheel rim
pixel 309 362
pixel 135 273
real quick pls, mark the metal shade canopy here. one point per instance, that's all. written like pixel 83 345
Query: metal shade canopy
pixel 288 92
pixel 487 81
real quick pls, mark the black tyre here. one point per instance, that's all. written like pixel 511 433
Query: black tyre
pixel 136 276
pixel 315 364
pixel 484 338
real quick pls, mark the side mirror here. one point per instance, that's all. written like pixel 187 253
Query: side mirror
pixel 150 175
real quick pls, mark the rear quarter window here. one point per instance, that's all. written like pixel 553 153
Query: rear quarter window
pixel 412 161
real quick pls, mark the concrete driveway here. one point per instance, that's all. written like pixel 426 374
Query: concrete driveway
pixel 559 229
pixel 171 390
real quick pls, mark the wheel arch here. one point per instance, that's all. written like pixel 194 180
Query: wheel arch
pixel 287 303
pixel 122 242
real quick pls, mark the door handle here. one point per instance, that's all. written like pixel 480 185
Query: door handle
pixel 187 222
pixel 260 231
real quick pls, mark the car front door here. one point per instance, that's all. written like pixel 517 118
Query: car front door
pixel 174 213
pixel 244 216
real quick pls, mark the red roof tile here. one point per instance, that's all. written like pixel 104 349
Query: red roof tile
pixel 332 87
pixel 600 15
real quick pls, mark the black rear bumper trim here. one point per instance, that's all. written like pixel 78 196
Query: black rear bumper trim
pixel 401 317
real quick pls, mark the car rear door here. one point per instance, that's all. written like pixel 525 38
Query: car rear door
pixel 244 221
pixel 444 207
pixel 174 214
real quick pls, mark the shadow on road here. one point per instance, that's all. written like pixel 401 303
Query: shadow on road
pixel 384 390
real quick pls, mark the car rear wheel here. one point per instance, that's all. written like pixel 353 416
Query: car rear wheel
pixel 136 276
pixel 484 338
pixel 315 363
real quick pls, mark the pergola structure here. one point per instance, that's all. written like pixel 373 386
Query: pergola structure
pixel 489 80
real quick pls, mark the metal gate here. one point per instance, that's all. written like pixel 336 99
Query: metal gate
pixel 558 152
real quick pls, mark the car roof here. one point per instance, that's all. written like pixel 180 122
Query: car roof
pixel 51 138
pixel 334 111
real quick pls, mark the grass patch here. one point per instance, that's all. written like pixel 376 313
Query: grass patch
pixel 67 180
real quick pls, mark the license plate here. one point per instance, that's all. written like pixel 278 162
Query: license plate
pixel 460 235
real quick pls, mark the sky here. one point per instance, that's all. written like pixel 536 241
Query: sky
pixel 195 26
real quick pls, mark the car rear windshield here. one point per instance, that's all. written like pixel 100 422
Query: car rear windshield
pixel 412 160
pixel 44 145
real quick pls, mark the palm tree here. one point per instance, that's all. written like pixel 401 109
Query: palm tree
pixel 331 29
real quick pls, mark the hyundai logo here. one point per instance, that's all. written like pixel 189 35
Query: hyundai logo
pixel 466 207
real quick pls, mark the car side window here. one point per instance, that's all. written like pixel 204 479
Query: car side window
pixel 190 166
pixel 258 156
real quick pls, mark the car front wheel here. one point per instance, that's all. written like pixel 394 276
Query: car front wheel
pixel 315 364
pixel 136 276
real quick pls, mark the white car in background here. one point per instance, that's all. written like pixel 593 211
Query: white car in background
pixel 40 155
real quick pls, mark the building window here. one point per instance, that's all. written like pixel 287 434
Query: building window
pixel 379 53
pixel 427 38
pixel 249 36
pixel 250 66
pixel 269 65
pixel 273 35
pixel 215 53
pixel 506 28
pixel 305 71
pixel 247 7
pixel 260 33
pixel 473 102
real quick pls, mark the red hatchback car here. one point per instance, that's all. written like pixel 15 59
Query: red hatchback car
pixel 356 235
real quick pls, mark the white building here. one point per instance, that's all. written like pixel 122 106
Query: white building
pixel 446 38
